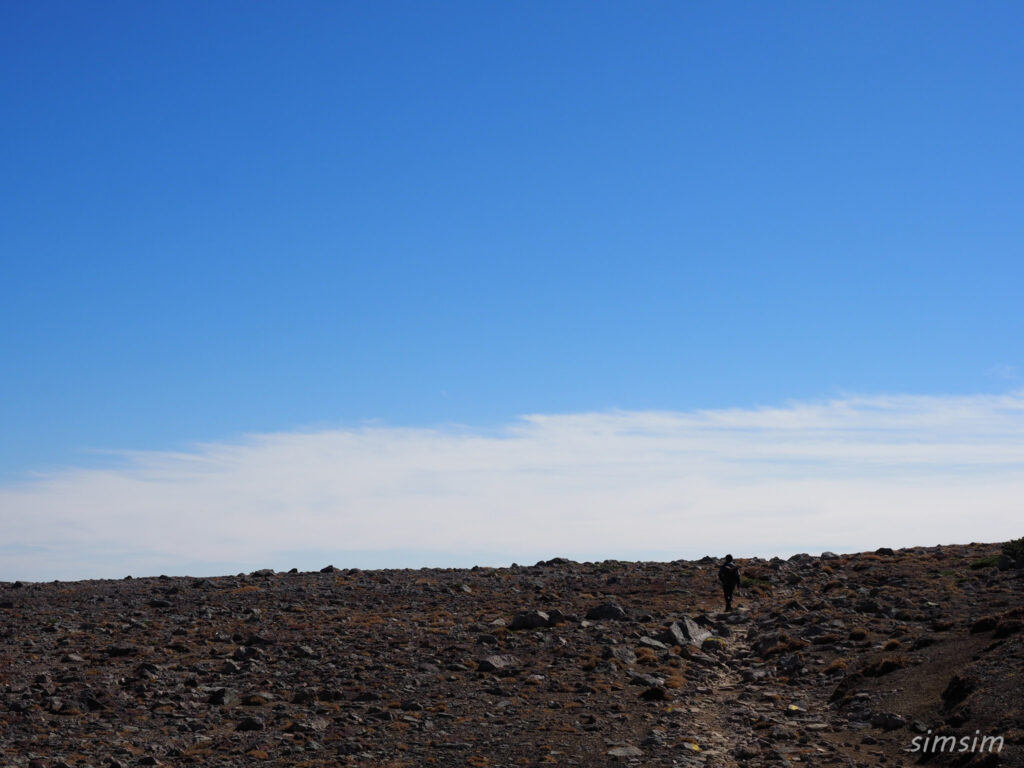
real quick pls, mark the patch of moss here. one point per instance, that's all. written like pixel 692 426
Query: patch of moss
pixel 1015 549
pixel 985 562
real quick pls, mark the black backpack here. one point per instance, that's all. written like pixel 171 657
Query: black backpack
pixel 729 574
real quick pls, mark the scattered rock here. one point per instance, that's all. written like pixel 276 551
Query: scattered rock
pixel 655 693
pixel 606 611
pixel 888 722
pixel 122 649
pixel 986 624
pixel 497 663
pixel 620 653
pixel 641 678
pixel 958 689
pixel 685 631
pixel 380 667
pixel 625 751
pixel 746 751
pixel 714 645
pixel 222 697
pixel 530 620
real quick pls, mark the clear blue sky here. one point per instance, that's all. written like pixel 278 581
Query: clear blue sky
pixel 219 218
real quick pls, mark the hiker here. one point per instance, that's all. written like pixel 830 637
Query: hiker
pixel 729 575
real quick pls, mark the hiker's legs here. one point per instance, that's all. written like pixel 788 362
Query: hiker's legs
pixel 728 588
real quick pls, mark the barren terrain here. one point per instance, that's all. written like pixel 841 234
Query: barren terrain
pixel 826 660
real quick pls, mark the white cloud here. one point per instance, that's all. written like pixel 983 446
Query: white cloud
pixel 848 474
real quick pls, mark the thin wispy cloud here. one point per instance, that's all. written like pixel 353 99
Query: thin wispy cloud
pixel 1005 372
pixel 846 474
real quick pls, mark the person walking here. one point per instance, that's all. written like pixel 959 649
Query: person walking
pixel 729 576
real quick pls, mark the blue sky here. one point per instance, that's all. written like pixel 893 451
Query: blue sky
pixel 227 219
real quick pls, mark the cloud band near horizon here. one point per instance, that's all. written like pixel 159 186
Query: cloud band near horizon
pixel 848 474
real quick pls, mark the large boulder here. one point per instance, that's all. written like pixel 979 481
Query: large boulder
pixel 530 620
pixel 625 751
pixel 606 611
pixel 621 653
pixel 686 631
pixel 498 664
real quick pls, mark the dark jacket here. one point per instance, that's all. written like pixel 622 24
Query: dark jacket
pixel 729 575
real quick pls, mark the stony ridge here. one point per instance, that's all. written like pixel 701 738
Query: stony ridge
pixel 828 660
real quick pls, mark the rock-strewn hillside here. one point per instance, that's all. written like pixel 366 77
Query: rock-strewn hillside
pixel 832 660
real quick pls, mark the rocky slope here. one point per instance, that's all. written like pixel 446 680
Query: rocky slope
pixel 832 660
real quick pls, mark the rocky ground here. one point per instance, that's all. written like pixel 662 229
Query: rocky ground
pixel 832 660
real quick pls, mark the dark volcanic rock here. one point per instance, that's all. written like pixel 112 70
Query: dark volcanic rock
pixel 655 693
pixel 530 620
pixel 606 611
pixel 251 724
pixel 223 697
pixel 888 721
pixel 957 690
pixel 122 649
